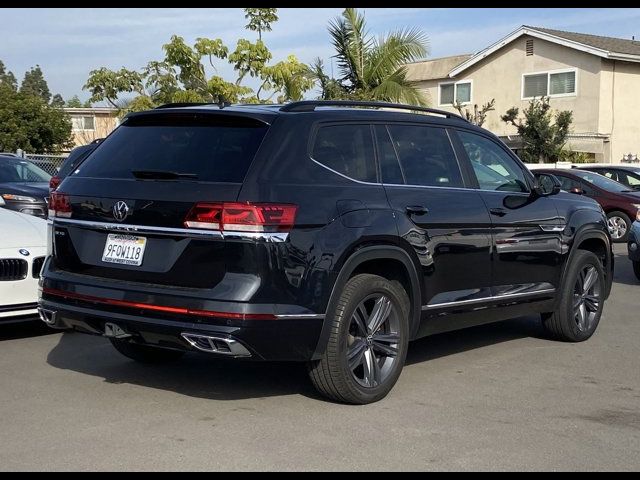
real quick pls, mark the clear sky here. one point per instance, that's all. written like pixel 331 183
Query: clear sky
pixel 68 43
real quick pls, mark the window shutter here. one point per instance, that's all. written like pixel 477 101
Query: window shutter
pixel 535 85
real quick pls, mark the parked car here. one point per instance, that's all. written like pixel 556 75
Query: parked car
pixel 24 187
pixel 23 244
pixel 72 162
pixel 634 247
pixel 620 203
pixel 326 232
pixel 628 175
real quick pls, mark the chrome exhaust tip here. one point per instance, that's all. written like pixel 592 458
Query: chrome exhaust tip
pixel 213 344
pixel 47 316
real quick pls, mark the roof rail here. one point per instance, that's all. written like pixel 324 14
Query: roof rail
pixel 192 104
pixel 311 105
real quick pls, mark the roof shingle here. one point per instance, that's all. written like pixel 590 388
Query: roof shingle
pixel 610 44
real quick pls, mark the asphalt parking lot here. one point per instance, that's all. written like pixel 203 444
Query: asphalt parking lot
pixel 493 398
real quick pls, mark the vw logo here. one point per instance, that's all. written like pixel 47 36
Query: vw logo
pixel 120 211
pixel 24 252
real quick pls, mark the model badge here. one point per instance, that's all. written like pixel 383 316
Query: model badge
pixel 120 211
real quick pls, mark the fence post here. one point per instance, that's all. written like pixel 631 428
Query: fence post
pixel 20 153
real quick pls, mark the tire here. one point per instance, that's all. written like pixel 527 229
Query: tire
pixel 361 382
pixel 619 225
pixel 566 323
pixel 636 269
pixel 145 353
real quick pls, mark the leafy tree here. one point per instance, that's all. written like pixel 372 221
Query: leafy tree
pixel 34 83
pixel 7 78
pixel 543 133
pixel 479 115
pixel 182 77
pixel 74 102
pixel 57 101
pixel 260 19
pixel 372 68
pixel 29 123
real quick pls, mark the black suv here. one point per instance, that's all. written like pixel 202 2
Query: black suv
pixel 326 232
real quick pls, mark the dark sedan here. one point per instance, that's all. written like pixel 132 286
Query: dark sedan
pixel 628 175
pixel 619 202
pixel 24 187
pixel 634 248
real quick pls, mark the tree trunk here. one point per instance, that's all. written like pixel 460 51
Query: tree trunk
pixel 541 158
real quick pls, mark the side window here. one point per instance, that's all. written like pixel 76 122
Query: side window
pixel 389 167
pixel 426 156
pixel 632 180
pixel 609 174
pixel 566 183
pixel 346 149
pixel 494 168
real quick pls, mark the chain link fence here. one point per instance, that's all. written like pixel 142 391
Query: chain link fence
pixel 49 163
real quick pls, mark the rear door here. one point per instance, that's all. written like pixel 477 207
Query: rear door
pixel 129 199
pixel 445 223
pixel 527 247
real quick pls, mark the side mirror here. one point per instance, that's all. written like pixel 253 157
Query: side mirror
pixel 577 191
pixel 546 184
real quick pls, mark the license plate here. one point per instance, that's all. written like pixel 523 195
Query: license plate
pixel 124 249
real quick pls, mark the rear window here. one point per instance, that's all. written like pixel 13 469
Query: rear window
pixel 214 148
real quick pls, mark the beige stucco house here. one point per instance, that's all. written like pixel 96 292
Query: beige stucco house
pixel 597 78
pixel 89 124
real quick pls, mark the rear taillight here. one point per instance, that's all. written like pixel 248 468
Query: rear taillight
pixel 242 217
pixel 54 183
pixel 59 205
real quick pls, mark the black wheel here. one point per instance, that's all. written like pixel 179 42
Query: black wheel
pixel 636 269
pixel 582 300
pixel 619 225
pixel 368 342
pixel 145 353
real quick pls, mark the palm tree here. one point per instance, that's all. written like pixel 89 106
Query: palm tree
pixel 373 68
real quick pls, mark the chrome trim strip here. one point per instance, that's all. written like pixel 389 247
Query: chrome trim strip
pixel 191 232
pixel 553 228
pixel 507 296
pixel 294 316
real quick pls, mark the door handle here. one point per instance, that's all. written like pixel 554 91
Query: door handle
pixel 416 210
pixel 498 212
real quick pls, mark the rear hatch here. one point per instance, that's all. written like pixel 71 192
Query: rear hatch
pixel 122 215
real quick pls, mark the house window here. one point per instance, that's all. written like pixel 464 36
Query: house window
pixel 551 84
pixel 79 122
pixel 459 92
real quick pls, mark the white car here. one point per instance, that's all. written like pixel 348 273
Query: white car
pixel 23 247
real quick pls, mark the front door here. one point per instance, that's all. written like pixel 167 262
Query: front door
pixel 527 243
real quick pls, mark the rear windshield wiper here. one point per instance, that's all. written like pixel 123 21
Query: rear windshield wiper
pixel 161 175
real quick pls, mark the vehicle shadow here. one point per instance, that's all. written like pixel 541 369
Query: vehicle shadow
pixel 458 341
pixel 13 331
pixel 197 375
pixel 623 271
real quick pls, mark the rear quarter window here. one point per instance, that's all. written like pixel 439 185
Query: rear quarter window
pixel 214 148
pixel 346 149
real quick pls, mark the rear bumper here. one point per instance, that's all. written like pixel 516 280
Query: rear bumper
pixel 285 338
pixel 633 244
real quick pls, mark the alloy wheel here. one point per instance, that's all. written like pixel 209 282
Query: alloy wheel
pixel 617 227
pixel 373 340
pixel 586 298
